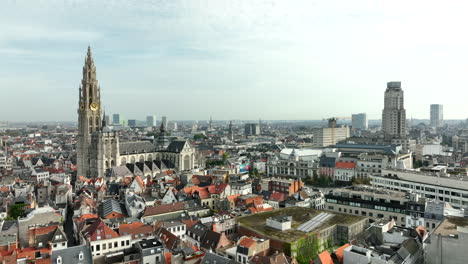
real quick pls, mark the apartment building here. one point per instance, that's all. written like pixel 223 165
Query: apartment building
pixel 375 203
pixel 432 183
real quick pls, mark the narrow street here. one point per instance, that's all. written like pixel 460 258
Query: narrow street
pixel 68 227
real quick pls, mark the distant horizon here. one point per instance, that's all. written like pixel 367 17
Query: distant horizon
pixel 237 120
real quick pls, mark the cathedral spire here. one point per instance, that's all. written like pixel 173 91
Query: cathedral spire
pixel 104 123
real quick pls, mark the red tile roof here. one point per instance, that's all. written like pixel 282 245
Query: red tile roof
pixel 136 229
pixel 345 165
pixel 217 188
pixel 163 208
pixel 99 230
pixel 339 252
pixel 277 196
pixel 247 242
pixel 325 258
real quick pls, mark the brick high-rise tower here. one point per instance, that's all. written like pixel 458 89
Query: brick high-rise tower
pixel 394 113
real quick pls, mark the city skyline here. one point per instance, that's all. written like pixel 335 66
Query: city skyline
pixel 178 49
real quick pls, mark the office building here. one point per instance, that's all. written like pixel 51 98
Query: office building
pixel 132 123
pixel 116 119
pixel 151 121
pixel 328 136
pixel 252 129
pixel 359 122
pixel 375 203
pixel 447 243
pixel 294 163
pixel 164 121
pixel 432 183
pixel 437 115
pixel 394 113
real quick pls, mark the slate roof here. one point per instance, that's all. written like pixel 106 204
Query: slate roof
pixel 210 240
pixel 144 167
pixel 198 231
pixel 176 146
pixel 136 147
pixel 328 162
pixel 110 206
pixel 71 255
pixel 211 258
pixel 121 171
pixel 170 240
pixel 134 169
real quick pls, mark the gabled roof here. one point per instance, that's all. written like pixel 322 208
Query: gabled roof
pixel 138 230
pixel 99 230
pixel 177 146
pixel 58 236
pixel 111 206
pixel 325 257
pixel 217 188
pixel 163 209
pixel 170 240
pixel 278 197
pixel 211 258
pixel 247 242
pixel 72 255
pixel 210 240
pixel 136 147
pixel 199 230
pixel 339 252
pixel 120 171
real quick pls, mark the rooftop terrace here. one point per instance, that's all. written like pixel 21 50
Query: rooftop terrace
pixel 300 215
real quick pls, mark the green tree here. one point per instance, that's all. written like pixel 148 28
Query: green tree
pixel 16 210
pixel 255 173
pixel 199 137
pixel 225 156
pixel 308 249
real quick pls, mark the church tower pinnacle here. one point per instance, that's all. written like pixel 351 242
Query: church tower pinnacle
pixel 89 113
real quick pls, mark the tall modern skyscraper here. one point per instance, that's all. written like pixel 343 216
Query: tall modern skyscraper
pixel 437 115
pixel 164 121
pixel 89 113
pixel 394 113
pixel 359 121
pixel 151 121
pixel 116 119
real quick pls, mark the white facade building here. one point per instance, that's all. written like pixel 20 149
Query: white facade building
pixel 437 115
pixel 432 185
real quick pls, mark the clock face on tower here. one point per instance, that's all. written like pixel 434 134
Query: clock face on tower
pixel 94 106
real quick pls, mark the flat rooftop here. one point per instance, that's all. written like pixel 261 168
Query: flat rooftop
pixel 449 226
pixel 300 215
pixel 370 189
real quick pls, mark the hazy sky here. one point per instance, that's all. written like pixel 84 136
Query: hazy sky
pixel 236 59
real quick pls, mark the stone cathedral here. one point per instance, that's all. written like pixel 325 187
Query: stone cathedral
pixel 99 148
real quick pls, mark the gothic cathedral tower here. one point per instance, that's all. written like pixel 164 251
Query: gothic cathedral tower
pixel 89 114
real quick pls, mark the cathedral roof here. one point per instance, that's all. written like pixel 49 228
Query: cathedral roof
pixel 176 146
pixel 136 147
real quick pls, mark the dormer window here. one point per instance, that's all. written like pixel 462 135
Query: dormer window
pixel 81 255
pixel 59 260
